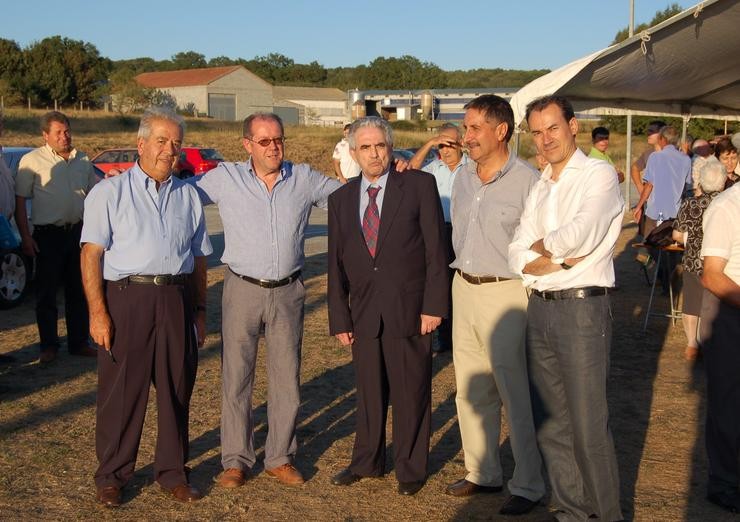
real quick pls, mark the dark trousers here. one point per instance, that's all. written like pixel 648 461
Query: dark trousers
pixel 399 369
pixel 154 342
pixel 568 345
pixel 720 325
pixel 444 332
pixel 58 262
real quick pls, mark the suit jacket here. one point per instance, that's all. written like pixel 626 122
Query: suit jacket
pixel 409 274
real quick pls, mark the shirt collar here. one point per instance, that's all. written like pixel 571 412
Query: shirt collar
pixel 54 154
pixel 286 169
pixel 380 182
pixel 576 161
pixel 143 179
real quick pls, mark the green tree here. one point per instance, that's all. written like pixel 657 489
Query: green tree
pixel 128 96
pixel 406 72
pixel 188 60
pixel 660 16
pixel 65 70
pixel 12 70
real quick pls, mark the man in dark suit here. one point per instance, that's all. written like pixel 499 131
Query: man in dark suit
pixel 388 291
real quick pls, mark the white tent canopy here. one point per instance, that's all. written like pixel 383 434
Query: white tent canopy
pixel 688 65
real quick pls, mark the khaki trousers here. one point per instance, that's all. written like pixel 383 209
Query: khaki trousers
pixel 488 332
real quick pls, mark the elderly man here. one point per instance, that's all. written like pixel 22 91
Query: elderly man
pixel 448 142
pixel 387 293
pixel 144 269
pixel 490 304
pixel 264 205
pixel 563 249
pixel 720 325
pixel 667 175
pixel 57 177
pixel 345 166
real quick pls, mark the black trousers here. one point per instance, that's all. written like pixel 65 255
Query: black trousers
pixel 399 370
pixel 154 342
pixel 720 331
pixel 58 262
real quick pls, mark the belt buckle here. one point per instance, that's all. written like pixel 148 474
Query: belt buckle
pixel 580 294
pixel 160 280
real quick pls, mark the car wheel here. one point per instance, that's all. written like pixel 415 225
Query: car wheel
pixel 15 273
pixel 185 174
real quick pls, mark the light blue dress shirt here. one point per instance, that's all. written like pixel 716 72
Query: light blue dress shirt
pixel 445 179
pixel 264 231
pixel 365 198
pixel 669 171
pixel 145 231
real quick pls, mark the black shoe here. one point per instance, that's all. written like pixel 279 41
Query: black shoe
pixel 516 505
pixel 410 488
pixel 728 501
pixel 345 478
pixel 465 488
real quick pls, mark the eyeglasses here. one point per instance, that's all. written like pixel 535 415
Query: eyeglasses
pixel 265 142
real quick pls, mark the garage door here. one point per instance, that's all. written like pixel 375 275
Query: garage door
pixel 222 106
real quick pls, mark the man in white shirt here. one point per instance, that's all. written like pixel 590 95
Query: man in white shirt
pixel 720 330
pixel 563 249
pixel 345 166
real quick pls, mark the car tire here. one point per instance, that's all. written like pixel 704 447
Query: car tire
pixel 15 276
pixel 185 174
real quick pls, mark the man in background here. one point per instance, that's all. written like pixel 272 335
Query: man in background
pixel 345 166
pixel 57 177
pixel 600 143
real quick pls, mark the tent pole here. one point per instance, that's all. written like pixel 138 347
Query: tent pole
pixel 628 152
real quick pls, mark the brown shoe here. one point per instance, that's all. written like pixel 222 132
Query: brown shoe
pixel 184 493
pixel 287 474
pixel 85 351
pixel 109 496
pixel 47 355
pixel 232 478
pixel 464 488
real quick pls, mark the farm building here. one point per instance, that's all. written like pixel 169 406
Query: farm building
pixel 225 93
pixel 321 105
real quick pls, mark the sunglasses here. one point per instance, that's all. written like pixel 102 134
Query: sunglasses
pixel 265 142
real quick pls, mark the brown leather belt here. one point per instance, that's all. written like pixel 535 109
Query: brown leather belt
pixel 571 293
pixel 479 280
pixel 269 283
pixel 158 280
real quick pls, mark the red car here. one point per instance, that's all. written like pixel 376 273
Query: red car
pixel 120 159
pixel 195 161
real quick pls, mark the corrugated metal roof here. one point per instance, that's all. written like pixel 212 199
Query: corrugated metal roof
pixel 185 77
pixel 308 93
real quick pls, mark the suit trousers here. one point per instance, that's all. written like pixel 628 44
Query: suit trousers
pixel 398 370
pixel 154 342
pixel 58 262
pixel 247 311
pixel 444 332
pixel 490 370
pixel 720 325
pixel 568 345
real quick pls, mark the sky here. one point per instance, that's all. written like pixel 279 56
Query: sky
pixel 514 34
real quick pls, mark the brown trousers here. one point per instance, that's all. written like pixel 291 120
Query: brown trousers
pixel 154 342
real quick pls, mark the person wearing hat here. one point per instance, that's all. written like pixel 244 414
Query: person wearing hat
pixel 600 141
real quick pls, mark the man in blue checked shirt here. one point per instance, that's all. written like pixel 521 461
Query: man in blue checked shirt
pixel 264 205
pixel 144 272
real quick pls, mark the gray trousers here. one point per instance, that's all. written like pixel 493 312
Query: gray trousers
pixel 246 310
pixel 568 344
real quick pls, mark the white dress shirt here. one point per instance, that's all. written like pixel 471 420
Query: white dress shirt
pixel 578 215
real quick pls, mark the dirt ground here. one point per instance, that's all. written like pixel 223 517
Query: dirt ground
pixel 47 418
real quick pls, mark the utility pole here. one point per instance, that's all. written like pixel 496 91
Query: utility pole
pixel 628 152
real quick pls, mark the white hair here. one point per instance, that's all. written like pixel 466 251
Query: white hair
pixel 712 176
pixel 373 122
pixel 158 113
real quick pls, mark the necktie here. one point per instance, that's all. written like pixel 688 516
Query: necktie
pixel 371 221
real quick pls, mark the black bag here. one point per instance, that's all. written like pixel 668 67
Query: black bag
pixel 662 235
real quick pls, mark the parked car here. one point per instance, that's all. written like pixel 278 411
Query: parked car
pixel 16 269
pixel 195 161
pixel 120 159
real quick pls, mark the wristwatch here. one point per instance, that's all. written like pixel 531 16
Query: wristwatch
pixel 566 266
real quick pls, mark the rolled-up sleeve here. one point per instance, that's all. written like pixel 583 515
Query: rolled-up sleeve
pixel 599 206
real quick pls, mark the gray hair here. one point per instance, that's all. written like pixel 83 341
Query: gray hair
pixel 452 126
pixel 712 176
pixel 373 122
pixel 670 134
pixel 158 113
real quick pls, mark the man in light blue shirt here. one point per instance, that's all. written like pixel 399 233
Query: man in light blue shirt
pixel 452 160
pixel 144 272
pixel 667 176
pixel 264 205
